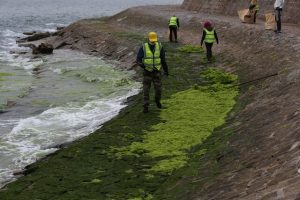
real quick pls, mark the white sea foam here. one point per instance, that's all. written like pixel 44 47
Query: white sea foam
pixel 8 44
pixel 33 138
pixel 22 62
pixel 55 24
pixel 4 123
pixel 9 33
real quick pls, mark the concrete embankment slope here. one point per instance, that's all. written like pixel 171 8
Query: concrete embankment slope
pixel 259 159
pixel 230 7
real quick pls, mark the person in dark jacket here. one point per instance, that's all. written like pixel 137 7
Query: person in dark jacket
pixel 173 27
pixel 209 36
pixel 151 57
pixel 278 6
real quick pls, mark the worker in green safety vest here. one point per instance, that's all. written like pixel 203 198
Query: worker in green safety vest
pixel 209 36
pixel 151 57
pixel 173 27
pixel 254 8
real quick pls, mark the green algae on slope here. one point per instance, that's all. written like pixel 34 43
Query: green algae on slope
pixel 4 74
pixel 191 117
pixel 191 49
pixel 88 170
pixel 216 76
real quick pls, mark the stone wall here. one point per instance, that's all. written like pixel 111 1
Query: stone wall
pixel 229 7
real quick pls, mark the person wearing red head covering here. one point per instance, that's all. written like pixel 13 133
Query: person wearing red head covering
pixel 209 36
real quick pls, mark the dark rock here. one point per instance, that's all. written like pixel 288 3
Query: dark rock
pixel 55 33
pixel 30 169
pixel 34 37
pixel 10 103
pixel 3 111
pixel 60 28
pixel 60 33
pixel 35 57
pixel 18 52
pixel 37 71
pixel 17 173
pixel 43 48
pixel 26 45
pixel 29 33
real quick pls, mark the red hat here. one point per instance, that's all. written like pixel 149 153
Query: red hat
pixel 207 24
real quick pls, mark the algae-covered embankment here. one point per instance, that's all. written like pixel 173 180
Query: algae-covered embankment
pixel 252 156
pixel 132 155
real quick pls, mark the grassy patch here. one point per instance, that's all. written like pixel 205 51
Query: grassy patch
pixel 40 102
pixel 5 74
pixel 131 36
pixel 191 49
pixel 2 107
pixel 24 92
pixel 216 76
pixel 2 74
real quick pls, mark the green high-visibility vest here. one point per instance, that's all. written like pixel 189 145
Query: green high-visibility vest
pixel 257 7
pixel 173 21
pixel 151 60
pixel 210 36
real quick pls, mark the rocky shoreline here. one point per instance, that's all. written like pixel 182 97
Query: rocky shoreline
pixel 262 150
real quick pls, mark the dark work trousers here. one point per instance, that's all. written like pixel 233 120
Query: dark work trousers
pixel 278 18
pixel 254 16
pixel 209 50
pixel 254 13
pixel 150 77
pixel 173 30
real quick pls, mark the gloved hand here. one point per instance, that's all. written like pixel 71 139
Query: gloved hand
pixel 139 64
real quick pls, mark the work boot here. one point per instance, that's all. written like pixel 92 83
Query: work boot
pixel 145 110
pixel 158 104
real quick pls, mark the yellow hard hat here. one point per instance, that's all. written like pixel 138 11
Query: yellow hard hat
pixel 152 36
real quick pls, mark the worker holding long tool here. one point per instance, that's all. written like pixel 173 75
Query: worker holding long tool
pixel 151 57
